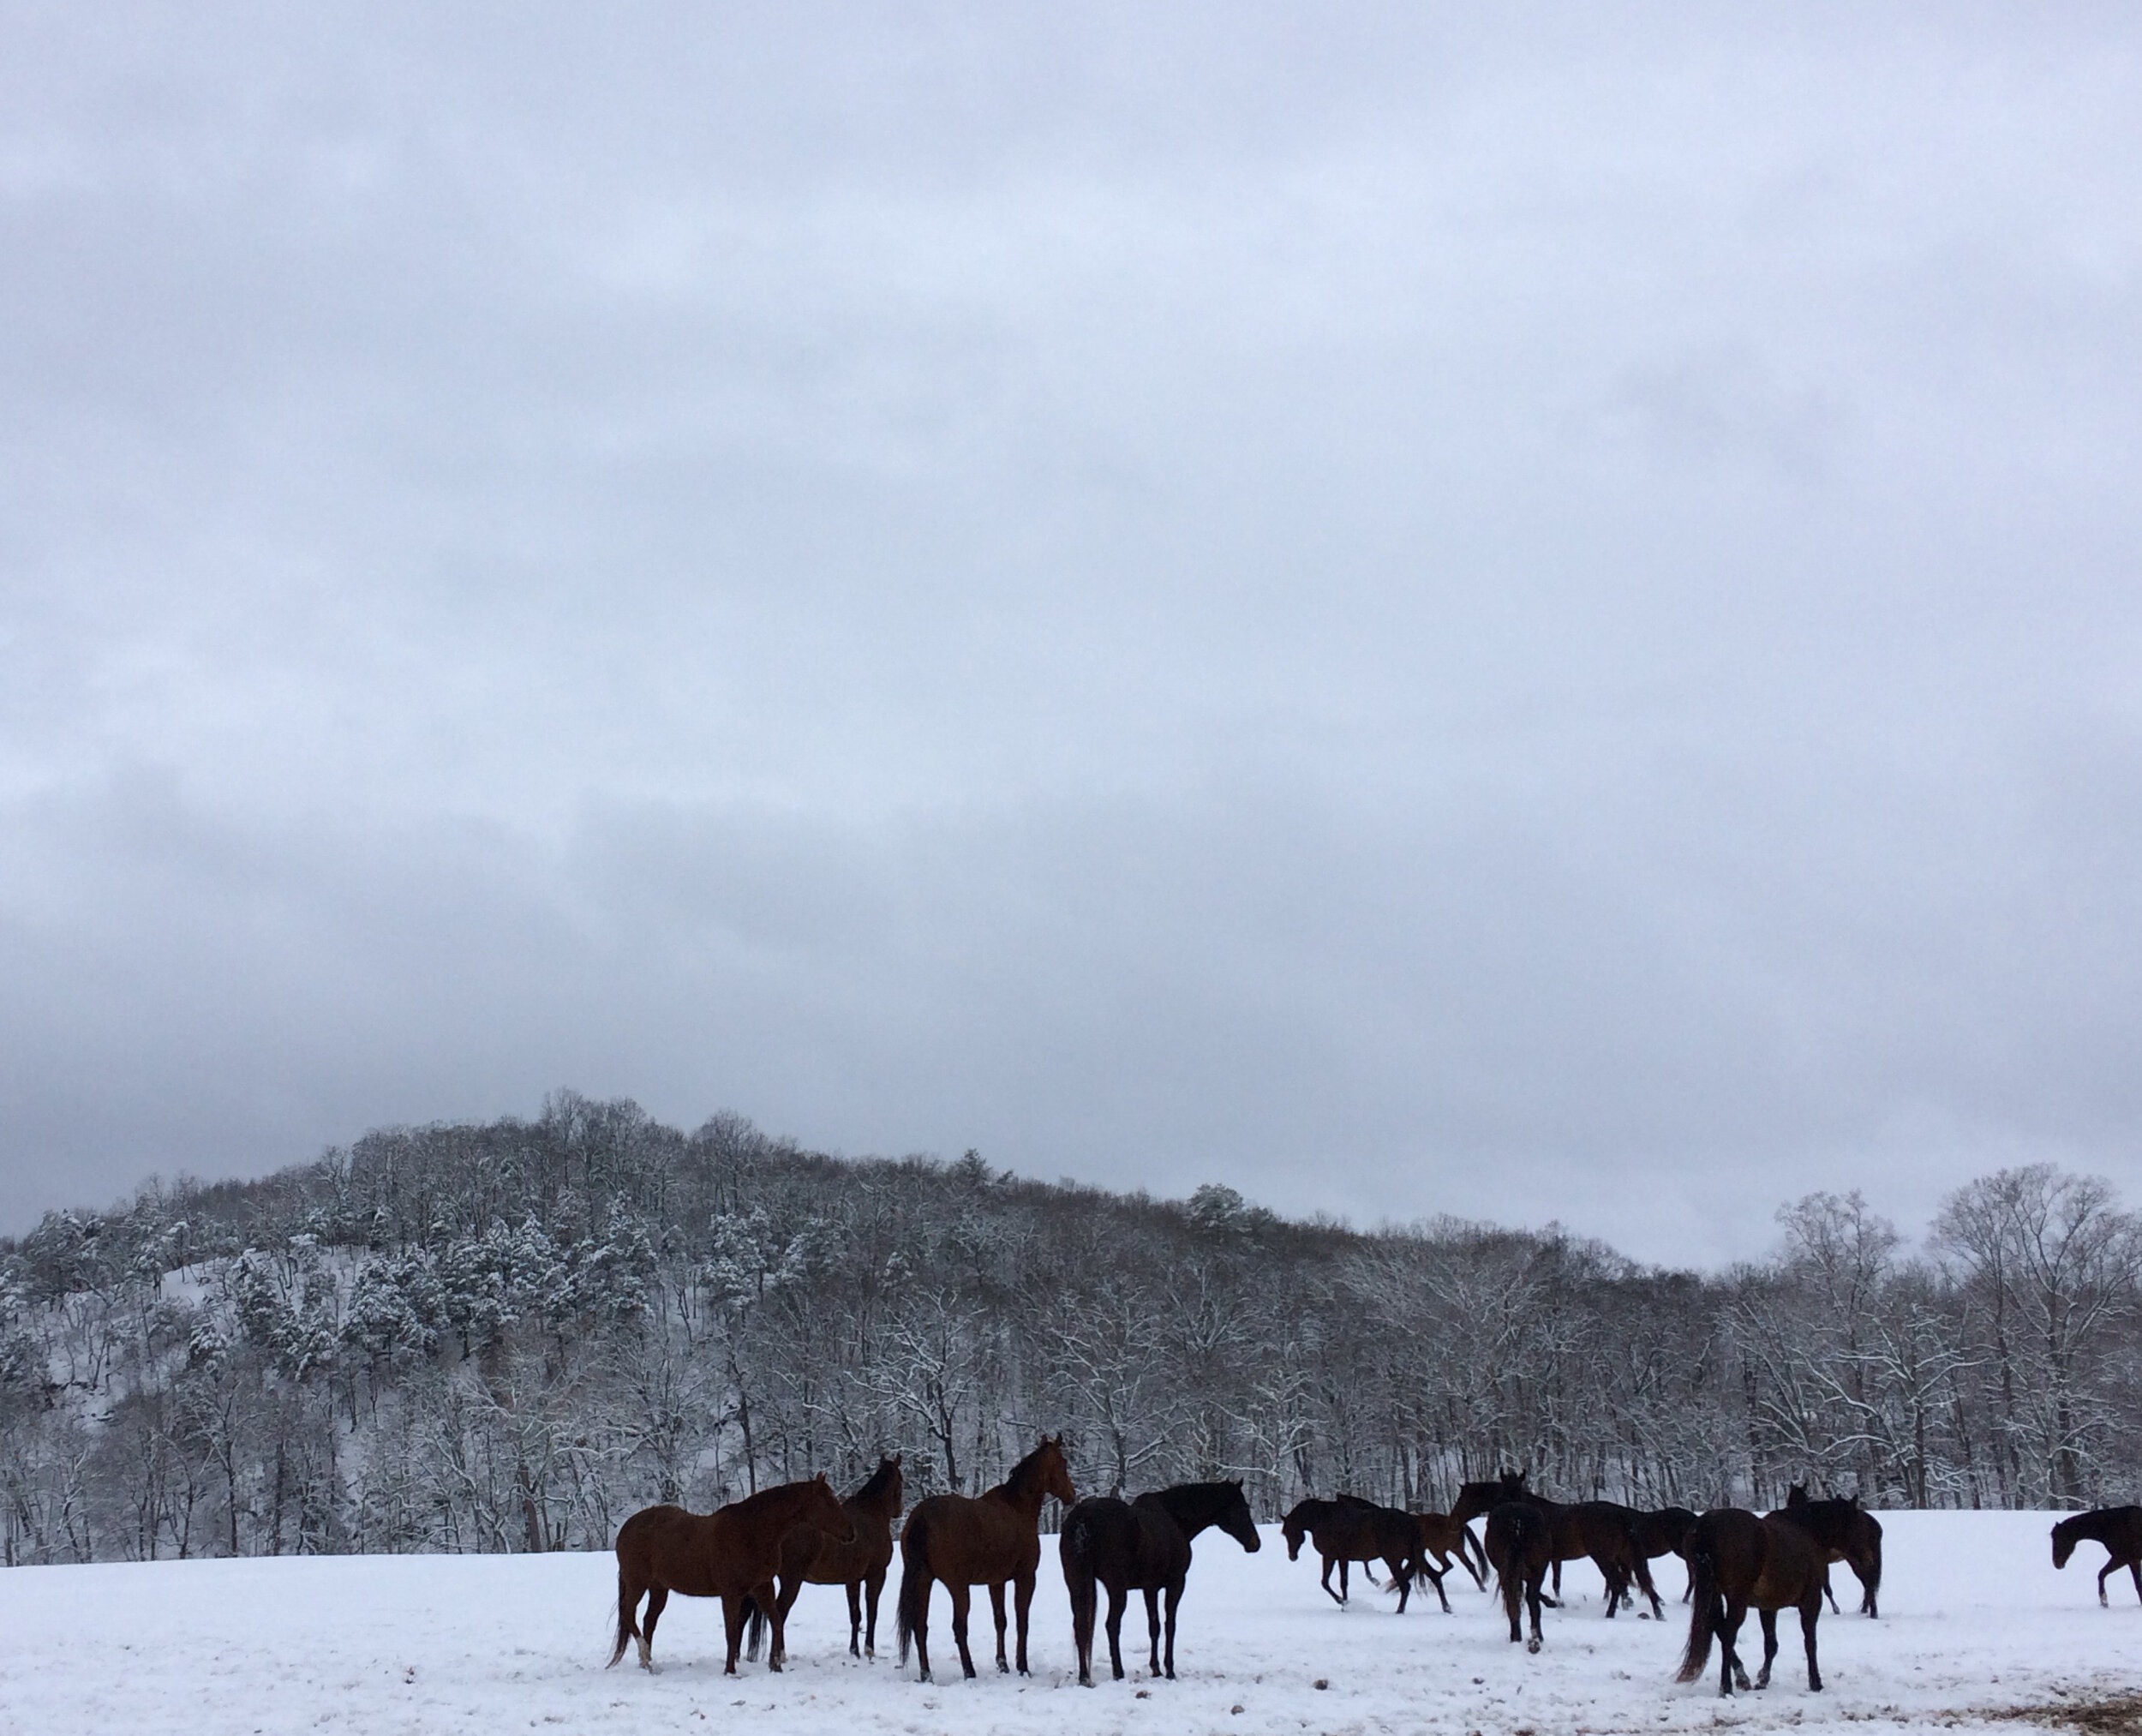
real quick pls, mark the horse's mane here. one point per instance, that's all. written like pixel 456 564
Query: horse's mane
pixel 880 1481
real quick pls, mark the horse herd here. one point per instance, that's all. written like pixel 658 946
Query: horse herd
pixel 757 1554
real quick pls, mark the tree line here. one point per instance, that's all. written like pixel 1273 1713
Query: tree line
pixel 510 1335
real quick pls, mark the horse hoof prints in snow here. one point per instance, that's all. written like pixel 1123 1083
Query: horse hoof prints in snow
pixel 1143 1545
pixel 984 1540
pixel 732 1554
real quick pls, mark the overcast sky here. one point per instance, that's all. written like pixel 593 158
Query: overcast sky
pixel 1540 620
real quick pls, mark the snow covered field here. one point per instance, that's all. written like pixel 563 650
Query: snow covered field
pixel 1975 1621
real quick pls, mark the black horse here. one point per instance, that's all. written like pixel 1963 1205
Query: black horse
pixel 1845 1533
pixel 1663 1531
pixel 1344 1532
pixel 1740 1561
pixel 1520 1547
pixel 1143 1544
pixel 1604 1530
pixel 2119 1529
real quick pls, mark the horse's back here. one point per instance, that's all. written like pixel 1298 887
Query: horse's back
pixel 972 1540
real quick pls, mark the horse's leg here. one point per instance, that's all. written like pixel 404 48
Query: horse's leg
pixel 1403 1573
pixel 2133 1567
pixel 1344 1592
pixel 921 1635
pixel 1829 1594
pixel 1118 1595
pixel 628 1602
pixel 871 1586
pixel 732 1620
pixel 1174 1602
pixel 1810 1611
pixel 1617 1584
pixel 1558 1582
pixel 1022 1604
pixel 1769 1618
pixel 2111 1566
pixel 1532 1598
pixel 1436 1580
pixel 777 1650
pixel 1736 1613
pixel 1152 1627
pixel 1080 1586
pixel 854 1588
pixel 997 1610
pixel 657 1595
pixel 1325 1580
pixel 1651 1591
pixel 959 1626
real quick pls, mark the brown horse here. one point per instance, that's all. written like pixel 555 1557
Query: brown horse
pixel 2119 1529
pixel 810 1556
pixel 731 1553
pixel 1350 1529
pixel 1142 1545
pixel 1845 1533
pixel 1442 1536
pixel 1738 1560
pixel 984 1539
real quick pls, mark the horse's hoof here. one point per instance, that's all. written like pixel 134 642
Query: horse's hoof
pixel 1532 1645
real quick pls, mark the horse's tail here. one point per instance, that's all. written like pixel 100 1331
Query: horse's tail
pixel 627 1629
pixel 1872 1577
pixel 1075 1549
pixel 1477 1564
pixel 1707 1608
pixel 914 1579
pixel 1518 1523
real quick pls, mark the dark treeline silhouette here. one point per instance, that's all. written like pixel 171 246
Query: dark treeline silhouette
pixel 510 1336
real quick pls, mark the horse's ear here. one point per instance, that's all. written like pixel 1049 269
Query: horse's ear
pixel 822 1477
pixel 897 1458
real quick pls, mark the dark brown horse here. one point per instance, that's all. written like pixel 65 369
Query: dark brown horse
pixel 2119 1529
pixel 1344 1531
pixel 1663 1531
pixel 992 1539
pixel 1740 1561
pixel 1521 1547
pixel 731 1553
pixel 1602 1530
pixel 1142 1545
pixel 1846 1533
pixel 808 1557
pixel 1442 1536
pixel 1392 1516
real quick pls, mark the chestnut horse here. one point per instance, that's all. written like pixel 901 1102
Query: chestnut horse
pixel 730 1553
pixel 1442 1536
pixel 1740 1561
pixel 808 1557
pixel 982 1540
pixel 2119 1529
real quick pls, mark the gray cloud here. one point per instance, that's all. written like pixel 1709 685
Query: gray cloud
pixel 1536 620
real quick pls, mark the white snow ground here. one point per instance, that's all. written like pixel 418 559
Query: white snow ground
pixel 1975 1619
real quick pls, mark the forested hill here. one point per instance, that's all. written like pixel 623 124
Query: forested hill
pixel 510 1335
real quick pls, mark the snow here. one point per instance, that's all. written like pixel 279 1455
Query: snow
pixel 1975 1619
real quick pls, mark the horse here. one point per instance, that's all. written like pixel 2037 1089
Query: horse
pixel 1390 1516
pixel 1662 1531
pixel 810 1556
pixel 1604 1530
pixel 1442 1536
pixel 1845 1533
pixel 1344 1532
pixel 1738 1560
pixel 989 1540
pixel 1521 1546
pixel 1143 1544
pixel 731 1553
pixel 2119 1529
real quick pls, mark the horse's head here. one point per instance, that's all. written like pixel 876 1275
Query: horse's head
pixel 1796 1497
pixel 1235 1520
pixel 1294 1528
pixel 1513 1484
pixel 1055 1473
pixel 895 1485
pixel 2066 1534
pixel 823 1511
